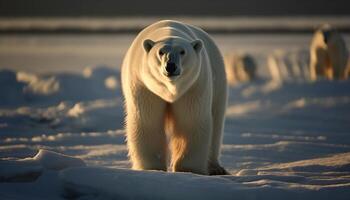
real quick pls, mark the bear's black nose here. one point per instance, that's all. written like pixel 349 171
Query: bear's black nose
pixel 170 68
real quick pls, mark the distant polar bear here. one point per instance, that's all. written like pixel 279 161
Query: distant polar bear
pixel 173 80
pixel 328 54
pixel 240 68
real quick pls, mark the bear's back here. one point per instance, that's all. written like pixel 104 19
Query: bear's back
pixel 168 28
pixel 158 31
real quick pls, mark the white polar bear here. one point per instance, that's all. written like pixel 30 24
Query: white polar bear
pixel 328 54
pixel 173 80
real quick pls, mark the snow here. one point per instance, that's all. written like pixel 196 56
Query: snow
pixel 36 85
pixel 29 169
pixel 104 183
pixel 62 136
pixel 56 161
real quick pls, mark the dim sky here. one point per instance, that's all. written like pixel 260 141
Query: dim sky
pixel 106 8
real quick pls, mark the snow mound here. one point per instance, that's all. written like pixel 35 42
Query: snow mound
pixel 37 85
pixel 56 161
pixel 29 169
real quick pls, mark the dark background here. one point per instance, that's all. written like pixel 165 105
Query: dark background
pixel 108 8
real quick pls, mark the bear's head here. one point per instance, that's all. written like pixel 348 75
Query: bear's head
pixel 172 66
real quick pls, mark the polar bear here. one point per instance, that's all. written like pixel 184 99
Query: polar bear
pixel 328 54
pixel 239 68
pixel 175 90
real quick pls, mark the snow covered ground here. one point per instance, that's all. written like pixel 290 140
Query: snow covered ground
pixel 285 137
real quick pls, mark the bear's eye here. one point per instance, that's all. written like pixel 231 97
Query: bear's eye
pixel 161 52
pixel 182 52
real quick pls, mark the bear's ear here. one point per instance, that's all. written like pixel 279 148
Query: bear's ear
pixel 148 44
pixel 197 45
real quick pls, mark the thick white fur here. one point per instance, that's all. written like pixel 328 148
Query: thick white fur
pixel 190 108
pixel 328 59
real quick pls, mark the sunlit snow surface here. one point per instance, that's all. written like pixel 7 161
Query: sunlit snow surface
pixel 284 138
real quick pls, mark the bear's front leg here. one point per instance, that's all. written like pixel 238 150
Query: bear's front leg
pixel 190 139
pixel 146 138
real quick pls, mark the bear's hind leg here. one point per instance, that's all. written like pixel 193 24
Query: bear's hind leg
pixel 214 167
pixel 219 108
